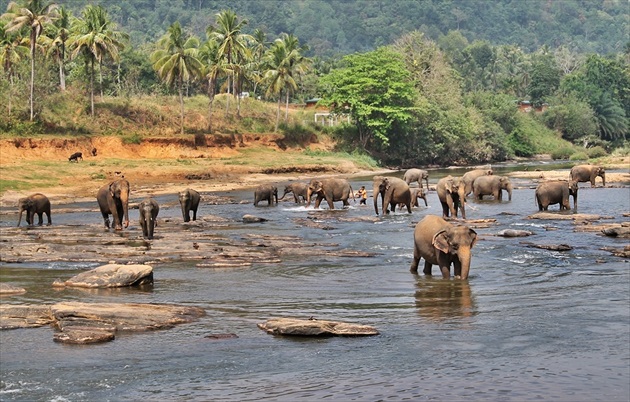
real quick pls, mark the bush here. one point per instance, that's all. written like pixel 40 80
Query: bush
pixel 596 152
pixel 133 138
pixel 563 153
pixel 579 156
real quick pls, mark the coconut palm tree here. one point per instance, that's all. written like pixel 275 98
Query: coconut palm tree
pixel 94 38
pixel 176 61
pixel 214 66
pixel 35 14
pixel 232 45
pixel 278 77
pixel 56 40
pixel 12 50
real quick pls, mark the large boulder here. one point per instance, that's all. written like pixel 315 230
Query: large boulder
pixel 314 327
pixel 111 276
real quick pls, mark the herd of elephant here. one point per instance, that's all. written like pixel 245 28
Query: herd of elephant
pixel 436 240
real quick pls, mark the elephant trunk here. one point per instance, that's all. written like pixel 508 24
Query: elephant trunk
pixel 124 198
pixel 376 193
pixel 185 210
pixel 150 224
pixel 509 191
pixel 20 217
pixel 464 258
pixel 603 175
pixel 309 192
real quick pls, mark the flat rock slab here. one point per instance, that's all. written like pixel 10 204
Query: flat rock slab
pixel 111 276
pixel 84 323
pixel 253 219
pixel 514 233
pixel 313 327
pixel 567 216
pixel 8 289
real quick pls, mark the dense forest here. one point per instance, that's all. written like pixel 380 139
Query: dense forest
pixel 424 82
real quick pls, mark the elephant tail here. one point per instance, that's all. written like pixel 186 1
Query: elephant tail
pixel 354 200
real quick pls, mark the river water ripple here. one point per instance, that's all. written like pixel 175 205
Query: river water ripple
pixel 529 324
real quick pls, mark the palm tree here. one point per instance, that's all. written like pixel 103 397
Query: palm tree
pixel 278 76
pixel 297 64
pixel 177 61
pixel 612 120
pixel 214 66
pixel 35 14
pixel 232 45
pixel 259 47
pixel 12 50
pixel 56 40
pixel 94 39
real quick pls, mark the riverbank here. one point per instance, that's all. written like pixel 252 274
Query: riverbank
pixel 156 167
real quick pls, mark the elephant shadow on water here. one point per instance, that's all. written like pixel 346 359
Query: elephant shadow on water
pixel 439 300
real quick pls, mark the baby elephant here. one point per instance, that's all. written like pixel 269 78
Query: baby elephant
pixel 189 200
pixel 443 244
pixel 266 192
pixel 149 210
pixel 75 157
pixel 34 204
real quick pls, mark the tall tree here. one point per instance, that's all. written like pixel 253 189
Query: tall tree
pixel 35 14
pixel 94 38
pixel 214 66
pixel 232 45
pixel 56 40
pixel 375 90
pixel 277 77
pixel 176 61
pixel 12 50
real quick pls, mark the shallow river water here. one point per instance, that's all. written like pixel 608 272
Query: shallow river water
pixel 528 325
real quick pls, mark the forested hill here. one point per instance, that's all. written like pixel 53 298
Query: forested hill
pixel 332 27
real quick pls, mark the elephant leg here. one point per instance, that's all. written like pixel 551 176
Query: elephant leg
pixel 445 209
pixel 446 271
pixel 427 268
pixel 40 218
pixel 414 264
pixel 194 218
pixel 49 220
pixel 30 217
pixel 457 268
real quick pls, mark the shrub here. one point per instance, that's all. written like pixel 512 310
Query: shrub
pixel 133 138
pixel 596 152
pixel 579 156
pixel 563 153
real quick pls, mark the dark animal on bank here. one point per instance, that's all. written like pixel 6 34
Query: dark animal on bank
pixel 93 151
pixel 76 156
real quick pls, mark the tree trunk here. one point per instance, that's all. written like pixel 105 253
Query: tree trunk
pixel 62 76
pixel 278 112
pixel 181 108
pixel 286 111
pixel 100 78
pixel 33 39
pixel 211 96
pixel 92 86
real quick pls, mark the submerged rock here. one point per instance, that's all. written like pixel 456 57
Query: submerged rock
pixel 623 231
pixel 111 276
pixel 8 289
pixel 84 323
pixel 247 218
pixel 314 327
pixel 514 233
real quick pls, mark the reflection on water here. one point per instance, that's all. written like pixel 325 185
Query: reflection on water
pixel 440 300
pixel 529 324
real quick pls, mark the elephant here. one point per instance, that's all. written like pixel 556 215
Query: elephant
pixel 583 173
pixel 556 192
pixel 441 243
pixel 418 175
pixel 266 192
pixel 331 190
pixel 471 176
pixel 416 192
pixel 149 210
pixel 189 201
pixel 450 191
pixel 113 198
pixel 299 190
pixel 492 185
pixel 34 204
pixel 393 191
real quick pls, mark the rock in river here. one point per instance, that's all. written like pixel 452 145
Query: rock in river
pixel 313 327
pixel 111 276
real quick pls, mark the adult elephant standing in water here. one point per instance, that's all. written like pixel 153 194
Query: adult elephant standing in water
pixel 440 243
pixel 34 204
pixel 149 210
pixel 556 192
pixel 113 199
pixel 469 178
pixel 583 173
pixel 331 190
pixel 418 175
pixel 492 185
pixel 393 191
pixel 450 191
pixel 189 201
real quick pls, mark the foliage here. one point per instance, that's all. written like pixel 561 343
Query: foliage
pixel 132 138
pixel 596 152
pixel 578 156
pixel 565 152
pixel 374 89
pixel 573 118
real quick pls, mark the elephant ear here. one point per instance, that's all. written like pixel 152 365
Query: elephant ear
pixel 440 241
pixel 473 237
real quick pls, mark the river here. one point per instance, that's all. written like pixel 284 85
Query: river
pixel 528 325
